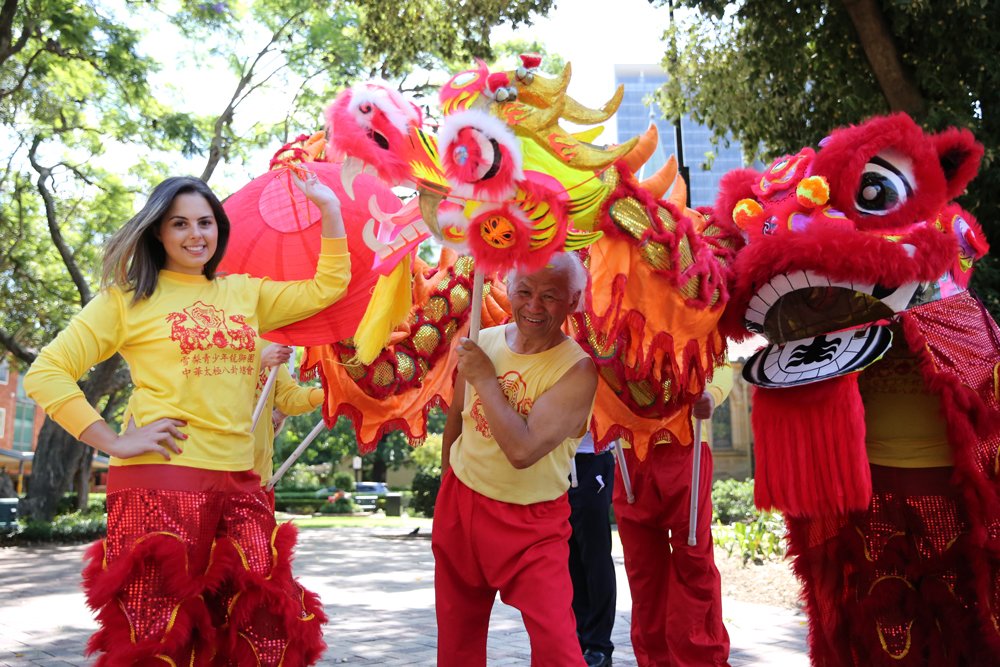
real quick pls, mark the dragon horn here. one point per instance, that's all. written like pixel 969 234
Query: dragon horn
pixel 644 149
pixel 429 202
pixel 658 184
pixel 678 196
pixel 542 92
pixel 532 119
pixel 584 156
pixel 581 115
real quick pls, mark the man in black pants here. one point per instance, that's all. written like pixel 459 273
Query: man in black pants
pixel 590 564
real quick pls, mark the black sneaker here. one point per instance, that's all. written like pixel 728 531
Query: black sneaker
pixel 596 658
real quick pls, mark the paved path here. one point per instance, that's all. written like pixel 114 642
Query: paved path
pixel 378 587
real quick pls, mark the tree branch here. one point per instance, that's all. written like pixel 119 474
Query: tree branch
pixel 225 119
pixel 896 83
pixel 15 348
pixel 8 47
pixel 44 173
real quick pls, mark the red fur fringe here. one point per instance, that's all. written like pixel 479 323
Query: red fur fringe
pixel 810 447
pixel 192 625
pixel 264 597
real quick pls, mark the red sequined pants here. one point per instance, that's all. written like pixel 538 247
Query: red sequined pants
pixel 194 571
pixel 903 584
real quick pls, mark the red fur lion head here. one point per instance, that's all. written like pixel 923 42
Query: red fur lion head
pixel 844 237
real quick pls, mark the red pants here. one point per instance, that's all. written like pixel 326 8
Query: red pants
pixel 194 571
pixel 482 546
pixel 676 589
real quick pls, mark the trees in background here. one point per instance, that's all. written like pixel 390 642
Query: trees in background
pixel 94 111
pixel 780 75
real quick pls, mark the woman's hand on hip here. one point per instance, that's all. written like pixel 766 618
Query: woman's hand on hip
pixel 159 437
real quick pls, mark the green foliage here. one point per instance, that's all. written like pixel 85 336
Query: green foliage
pixel 299 505
pixel 342 505
pixel 298 478
pixel 426 484
pixel 739 528
pixel 404 33
pixel 758 540
pixel 428 455
pixel 344 481
pixel 72 528
pixel 507 55
pixel 732 501
pixel 777 76
pixel 96 504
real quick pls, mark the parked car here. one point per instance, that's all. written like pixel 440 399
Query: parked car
pixel 367 494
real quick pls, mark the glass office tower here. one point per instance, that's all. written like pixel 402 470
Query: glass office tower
pixel 638 110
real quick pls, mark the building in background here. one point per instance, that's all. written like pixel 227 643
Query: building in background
pixel 638 110
pixel 20 421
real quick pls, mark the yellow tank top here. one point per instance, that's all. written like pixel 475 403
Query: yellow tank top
pixel 477 459
pixel 903 422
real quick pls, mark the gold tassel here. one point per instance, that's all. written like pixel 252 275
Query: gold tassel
pixel 389 307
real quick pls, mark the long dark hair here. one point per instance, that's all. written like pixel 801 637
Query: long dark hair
pixel 134 256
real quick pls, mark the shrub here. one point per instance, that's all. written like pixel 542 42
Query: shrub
pixel 96 504
pixel 71 528
pixel 342 505
pixel 344 481
pixel 298 502
pixel 758 540
pixel 425 487
pixel 732 501
pixel 299 478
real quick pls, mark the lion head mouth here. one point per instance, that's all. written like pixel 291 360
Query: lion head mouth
pixel 802 304
pixel 819 328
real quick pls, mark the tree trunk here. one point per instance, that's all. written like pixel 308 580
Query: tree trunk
pixel 57 459
pixel 379 470
pixel 83 479
pixel 894 78
pixel 58 455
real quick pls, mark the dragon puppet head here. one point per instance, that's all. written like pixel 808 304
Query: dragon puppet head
pixel 521 187
pixel 500 179
pixel 845 237
pixel 845 245
pixel 369 127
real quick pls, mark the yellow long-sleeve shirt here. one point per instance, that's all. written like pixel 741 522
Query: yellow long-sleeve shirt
pixel 291 398
pixel 191 349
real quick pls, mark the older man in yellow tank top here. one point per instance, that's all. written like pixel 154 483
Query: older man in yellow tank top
pixel 501 523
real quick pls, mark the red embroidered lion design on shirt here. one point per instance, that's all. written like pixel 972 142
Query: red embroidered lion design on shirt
pixel 202 326
pixel 514 388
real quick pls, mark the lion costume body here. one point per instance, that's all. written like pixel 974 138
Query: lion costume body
pixel 875 416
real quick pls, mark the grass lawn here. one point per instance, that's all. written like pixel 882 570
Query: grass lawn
pixel 355 521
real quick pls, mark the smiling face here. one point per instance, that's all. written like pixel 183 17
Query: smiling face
pixel 189 234
pixel 541 301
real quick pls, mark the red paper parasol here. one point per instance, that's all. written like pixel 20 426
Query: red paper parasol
pixel 276 234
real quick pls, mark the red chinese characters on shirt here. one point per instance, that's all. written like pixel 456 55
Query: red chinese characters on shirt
pixel 514 388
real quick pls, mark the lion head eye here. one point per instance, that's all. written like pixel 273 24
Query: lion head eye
pixel 886 184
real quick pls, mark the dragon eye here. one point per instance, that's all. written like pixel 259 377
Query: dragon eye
pixel 884 186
